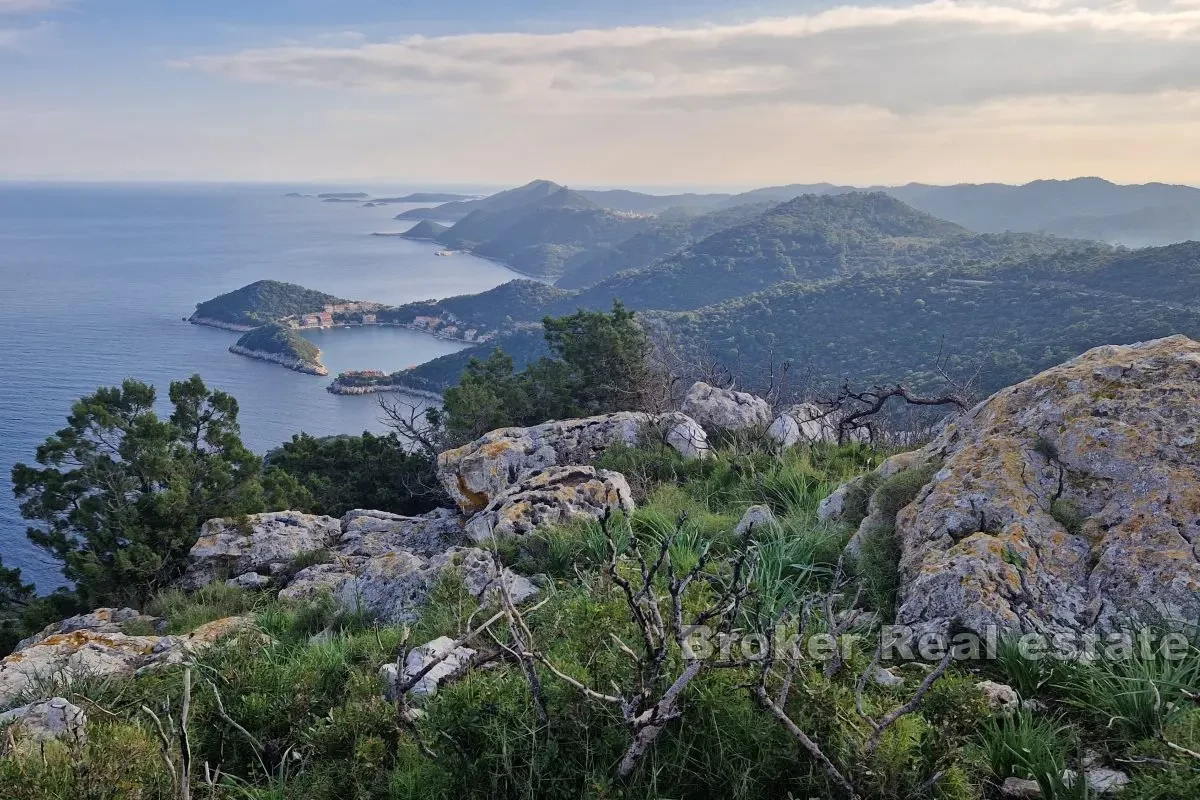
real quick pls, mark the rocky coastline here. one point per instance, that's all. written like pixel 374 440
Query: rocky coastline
pixel 296 364
pixel 216 323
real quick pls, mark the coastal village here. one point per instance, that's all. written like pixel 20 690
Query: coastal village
pixel 344 315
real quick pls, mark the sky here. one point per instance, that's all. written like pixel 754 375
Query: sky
pixel 689 93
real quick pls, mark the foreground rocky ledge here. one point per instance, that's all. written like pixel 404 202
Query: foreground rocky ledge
pixel 1067 503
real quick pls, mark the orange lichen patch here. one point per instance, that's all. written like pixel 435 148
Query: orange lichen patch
pixel 218 629
pixel 472 500
pixel 493 449
pixel 207 541
pixel 77 640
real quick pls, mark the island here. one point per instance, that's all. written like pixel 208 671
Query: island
pixel 281 345
pixel 260 303
pixel 428 197
pixel 344 196
pixel 425 231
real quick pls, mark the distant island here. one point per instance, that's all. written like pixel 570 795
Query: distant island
pixel 281 345
pixel 427 197
pixel 425 231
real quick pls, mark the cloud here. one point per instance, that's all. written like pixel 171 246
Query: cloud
pixel 903 59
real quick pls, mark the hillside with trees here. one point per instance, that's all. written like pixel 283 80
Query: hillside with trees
pixel 261 302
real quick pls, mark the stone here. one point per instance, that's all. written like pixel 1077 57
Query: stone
pixel 101 620
pixel 1020 789
pixel 719 409
pixel 82 652
pixel 312 581
pixel 755 519
pixel 684 435
pixel 885 677
pixel 1069 503
pixel 249 580
pixel 260 543
pixel 44 721
pixel 476 473
pixel 548 497
pixel 1001 698
pixel 804 423
pixel 456 663
pixel 1100 780
pixel 479 576
pixel 373 533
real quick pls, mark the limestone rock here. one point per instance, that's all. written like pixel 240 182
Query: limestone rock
pixel 1020 789
pixel 885 677
pixel 479 575
pixel 309 582
pixel 260 543
pixel 1001 698
pixel 550 496
pixel 719 409
pixel 101 620
pixel 1067 503
pixel 1100 780
pixel 685 436
pixel 476 473
pixel 249 580
pixel 64 657
pixel 755 519
pixel 44 721
pixel 803 423
pixel 373 533
pixel 456 662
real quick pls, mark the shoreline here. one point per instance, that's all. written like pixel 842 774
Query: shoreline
pixel 225 326
pixel 292 363
pixel 340 389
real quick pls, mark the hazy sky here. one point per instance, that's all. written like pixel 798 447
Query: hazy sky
pixel 637 92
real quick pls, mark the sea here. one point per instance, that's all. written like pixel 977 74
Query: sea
pixel 97 280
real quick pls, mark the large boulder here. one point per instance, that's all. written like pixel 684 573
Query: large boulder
pixel 804 423
pixel 265 543
pixel 1069 502
pixel 548 497
pixel 719 409
pixel 477 473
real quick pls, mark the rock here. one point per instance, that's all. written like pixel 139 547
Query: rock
pixel 394 587
pixel 803 423
pixel 455 664
pixel 885 677
pixel 260 543
pixel 317 579
pixel 479 576
pixel 833 507
pixel 373 533
pixel 1020 789
pixel 96 654
pixel 548 497
pixel 725 410
pixel 755 518
pixel 1100 780
pixel 686 437
pixel 249 580
pixel 1001 698
pixel 1068 503
pixel 475 474
pixel 44 721
pixel 101 620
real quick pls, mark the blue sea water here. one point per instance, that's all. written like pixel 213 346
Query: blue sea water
pixel 97 278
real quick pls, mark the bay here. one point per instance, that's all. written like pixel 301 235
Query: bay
pixel 97 279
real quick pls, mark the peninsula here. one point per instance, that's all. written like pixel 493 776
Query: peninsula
pixel 259 303
pixel 281 345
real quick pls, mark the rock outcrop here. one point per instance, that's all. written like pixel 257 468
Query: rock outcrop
pixel 801 424
pixel 548 497
pixel 44 721
pixel 477 473
pixel 102 653
pixel 719 409
pixel 455 662
pixel 101 620
pixel 1069 502
pixel 264 543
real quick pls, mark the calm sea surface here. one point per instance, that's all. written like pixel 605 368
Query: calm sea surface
pixel 97 278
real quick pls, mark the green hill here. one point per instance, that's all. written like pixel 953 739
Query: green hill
pixel 282 345
pixel 811 238
pixel 261 302
pixel 669 233
pixel 482 225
